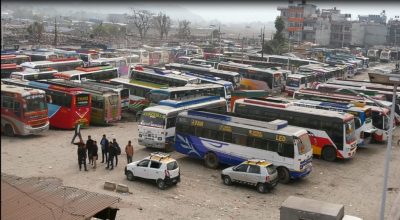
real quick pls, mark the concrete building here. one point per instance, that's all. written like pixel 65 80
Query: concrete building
pixel 393 35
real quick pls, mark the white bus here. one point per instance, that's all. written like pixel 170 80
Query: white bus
pixel 57 64
pixel 95 73
pixel 157 123
pixel 230 140
pixel 188 91
pixel 160 76
pixel 34 74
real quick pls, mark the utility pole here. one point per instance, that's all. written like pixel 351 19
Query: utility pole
pixel 2 31
pixel 242 48
pixel 262 44
pixel 342 35
pixel 55 31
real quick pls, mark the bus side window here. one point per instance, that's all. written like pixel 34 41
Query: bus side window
pixel 17 109
pixel 239 139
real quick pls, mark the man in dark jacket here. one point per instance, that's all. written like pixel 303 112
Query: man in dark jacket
pixel 111 154
pixel 104 148
pixel 117 150
pixel 89 146
pixel 81 154
pixel 77 132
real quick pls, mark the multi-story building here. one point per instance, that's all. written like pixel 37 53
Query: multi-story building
pixel 393 36
pixel 296 16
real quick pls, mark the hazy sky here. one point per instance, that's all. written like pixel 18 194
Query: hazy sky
pixel 230 11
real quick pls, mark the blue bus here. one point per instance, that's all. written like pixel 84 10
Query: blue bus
pixel 231 140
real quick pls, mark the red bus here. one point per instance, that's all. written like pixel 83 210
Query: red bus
pixel 7 69
pixel 66 106
pixel 23 110
pixel 16 59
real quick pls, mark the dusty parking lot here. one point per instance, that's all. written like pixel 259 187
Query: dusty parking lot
pixel 356 183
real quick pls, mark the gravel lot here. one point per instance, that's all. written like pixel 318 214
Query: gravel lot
pixel 356 183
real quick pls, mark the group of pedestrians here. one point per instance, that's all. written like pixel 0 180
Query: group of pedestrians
pixel 109 151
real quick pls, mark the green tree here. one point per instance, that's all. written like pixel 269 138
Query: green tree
pixel 278 44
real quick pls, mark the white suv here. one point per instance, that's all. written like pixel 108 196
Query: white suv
pixel 159 167
pixel 254 172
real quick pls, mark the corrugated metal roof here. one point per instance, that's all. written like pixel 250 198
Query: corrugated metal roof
pixel 33 198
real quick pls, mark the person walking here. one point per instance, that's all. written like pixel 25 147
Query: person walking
pixel 81 154
pixel 89 147
pixel 129 152
pixel 111 154
pixel 117 150
pixel 77 132
pixel 104 149
pixel 94 154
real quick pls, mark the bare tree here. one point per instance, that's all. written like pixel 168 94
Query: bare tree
pixel 142 21
pixel 184 29
pixel 163 23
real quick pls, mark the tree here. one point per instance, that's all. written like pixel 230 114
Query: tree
pixel 184 29
pixel 163 23
pixel 278 44
pixel 36 30
pixel 142 21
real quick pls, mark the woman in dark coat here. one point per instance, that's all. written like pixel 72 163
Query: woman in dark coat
pixel 94 153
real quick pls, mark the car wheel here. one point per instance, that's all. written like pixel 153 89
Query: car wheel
pixel 329 153
pixel 161 184
pixel 283 175
pixel 211 160
pixel 130 176
pixel 8 130
pixel 261 188
pixel 227 180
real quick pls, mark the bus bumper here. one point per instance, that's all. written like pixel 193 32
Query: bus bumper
pixel 301 174
pixel 151 143
pixel 31 130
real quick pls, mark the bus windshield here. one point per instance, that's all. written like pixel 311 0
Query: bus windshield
pixel 349 128
pixel 229 90
pixel 293 82
pixel 152 119
pixel 35 103
pixel 303 144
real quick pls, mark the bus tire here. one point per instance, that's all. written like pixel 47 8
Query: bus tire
pixel 329 153
pixel 8 130
pixel 211 160
pixel 283 175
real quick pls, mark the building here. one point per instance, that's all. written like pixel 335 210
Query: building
pixel 393 35
pixel 296 16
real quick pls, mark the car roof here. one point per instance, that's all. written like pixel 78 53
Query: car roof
pixel 262 163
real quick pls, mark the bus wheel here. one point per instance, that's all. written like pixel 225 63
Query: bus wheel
pixel 211 160
pixel 283 175
pixel 329 153
pixel 8 130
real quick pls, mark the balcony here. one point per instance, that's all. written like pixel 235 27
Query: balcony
pixel 295 19
pixel 293 29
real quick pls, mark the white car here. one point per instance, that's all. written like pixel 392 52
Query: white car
pixel 159 167
pixel 254 172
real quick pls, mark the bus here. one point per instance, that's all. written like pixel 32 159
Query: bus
pixel 202 63
pixel 34 74
pixel 40 55
pixel 230 140
pixel 256 78
pixel 373 54
pixel 239 94
pixel 122 92
pixel 385 56
pixel 232 77
pixel 106 103
pixel 324 72
pixel 379 113
pixel 362 116
pixel 8 69
pixel 87 56
pixel 144 57
pixel 138 92
pixel 95 73
pixel 14 59
pixel 343 89
pixel 113 61
pixel 57 64
pixel 66 53
pixel 332 134
pixel 23 110
pixel 161 76
pixel 66 106
pixel 157 123
pixel 185 92
pixel 295 82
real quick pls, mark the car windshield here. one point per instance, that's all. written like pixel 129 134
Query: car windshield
pixel 303 144
pixel 152 119
pixel 172 165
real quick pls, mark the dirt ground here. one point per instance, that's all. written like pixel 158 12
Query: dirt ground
pixel 355 183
